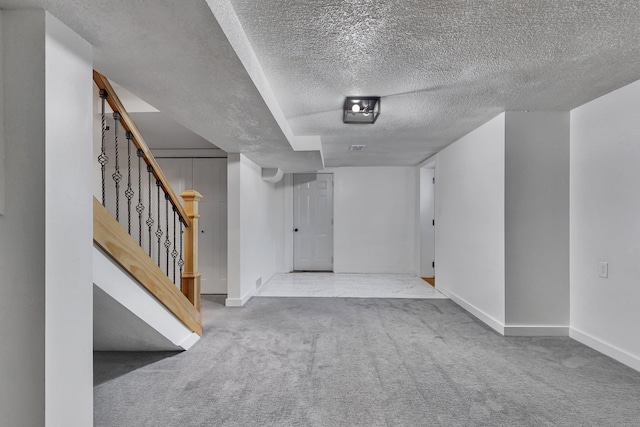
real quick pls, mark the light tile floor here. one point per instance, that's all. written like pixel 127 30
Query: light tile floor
pixel 348 286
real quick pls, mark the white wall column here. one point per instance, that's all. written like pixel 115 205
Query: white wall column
pixel 233 226
pixel 502 223
pixel 537 223
pixel 46 364
pixel 256 240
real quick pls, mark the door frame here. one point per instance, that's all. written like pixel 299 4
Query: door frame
pixel 426 222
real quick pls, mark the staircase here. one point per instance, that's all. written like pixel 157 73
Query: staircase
pixel 146 284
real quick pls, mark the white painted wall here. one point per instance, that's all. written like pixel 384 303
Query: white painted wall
pixel 233 231
pixel 470 216
pixel 256 229
pixel 605 218
pixel 69 227
pixel 375 219
pixel 22 228
pixel 127 317
pixel 46 233
pixel 427 215
pixel 537 222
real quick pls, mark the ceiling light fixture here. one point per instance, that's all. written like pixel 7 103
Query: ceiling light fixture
pixel 361 109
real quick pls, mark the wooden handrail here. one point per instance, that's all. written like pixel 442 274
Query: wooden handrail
pixel 127 123
pixel 114 240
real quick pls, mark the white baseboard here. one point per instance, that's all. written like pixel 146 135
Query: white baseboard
pixel 481 315
pixel 190 341
pixel 605 348
pixel 239 302
pixel 536 331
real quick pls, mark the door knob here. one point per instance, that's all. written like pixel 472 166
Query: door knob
pixel 295 229
pixel 202 231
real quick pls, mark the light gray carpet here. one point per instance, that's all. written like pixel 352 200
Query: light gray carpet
pixel 362 362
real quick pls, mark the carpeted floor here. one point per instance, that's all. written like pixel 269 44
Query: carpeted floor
pixel 362 362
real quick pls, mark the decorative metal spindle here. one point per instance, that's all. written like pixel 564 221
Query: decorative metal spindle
pixel 103 159
pixel 174 253
pixel 181 261
pixel 129 191
pixel 140 206
pixel 167 242
pixel 150 218
pixel 159 230
pixel 117 176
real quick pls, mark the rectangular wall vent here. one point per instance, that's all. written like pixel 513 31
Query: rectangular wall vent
pixel 357 148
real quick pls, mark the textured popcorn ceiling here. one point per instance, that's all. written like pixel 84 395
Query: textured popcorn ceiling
pixel 173 55
pixel 442 67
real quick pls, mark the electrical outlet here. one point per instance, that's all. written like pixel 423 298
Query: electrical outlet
pixel 604 269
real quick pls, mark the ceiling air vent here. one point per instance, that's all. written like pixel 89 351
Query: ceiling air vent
pixel 357 148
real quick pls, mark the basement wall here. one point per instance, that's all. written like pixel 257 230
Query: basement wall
pixel 46 364
pixel 255 229
pixel 605 224
pixel 375 220
pixel 470 215
pixel 537 223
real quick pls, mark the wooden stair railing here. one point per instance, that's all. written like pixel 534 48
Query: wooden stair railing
pixel 126 251
pixel 120 246
pixel 127 123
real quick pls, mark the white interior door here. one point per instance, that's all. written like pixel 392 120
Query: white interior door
pixel 208 176
pixel 313 222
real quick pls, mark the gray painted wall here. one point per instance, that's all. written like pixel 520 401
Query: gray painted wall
pixel 537 219
pixel 22 228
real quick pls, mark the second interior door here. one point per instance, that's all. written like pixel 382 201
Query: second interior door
pixel 313 222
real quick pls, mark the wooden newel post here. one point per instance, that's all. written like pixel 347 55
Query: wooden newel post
pixel 190 274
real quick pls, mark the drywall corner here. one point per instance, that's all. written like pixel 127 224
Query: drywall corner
pixel 537 220
pixel 233 226
pixel 469 205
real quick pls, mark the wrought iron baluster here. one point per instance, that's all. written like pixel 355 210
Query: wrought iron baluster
pixel 103 159
pixel 181 260
pixel 140 206
pixel 167 242
pixel 117 176
pixel 129 191
pixel 174 253
pixel 150 218
pixel 159 230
